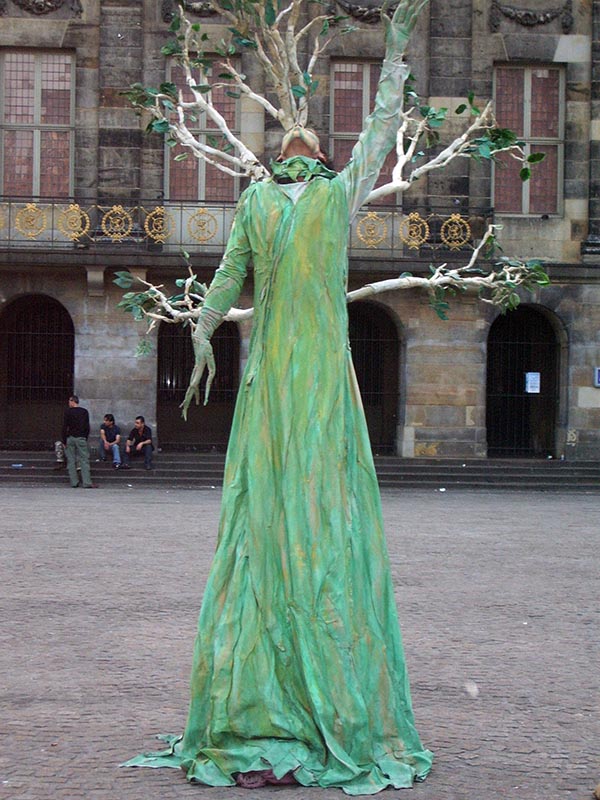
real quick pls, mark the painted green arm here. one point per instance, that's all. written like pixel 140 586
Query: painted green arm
pixel 381 126
pixel 223 291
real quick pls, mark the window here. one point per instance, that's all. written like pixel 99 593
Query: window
pixel 193 178
pixel 354 86
pixel 530 100
pixel 36 123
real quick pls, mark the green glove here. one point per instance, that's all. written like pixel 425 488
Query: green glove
pixel 208 321
pixel 399 29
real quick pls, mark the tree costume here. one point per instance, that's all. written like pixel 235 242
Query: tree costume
pixel 298 663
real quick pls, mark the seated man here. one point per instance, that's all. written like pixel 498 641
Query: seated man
pixel 139 442
pixel 110 439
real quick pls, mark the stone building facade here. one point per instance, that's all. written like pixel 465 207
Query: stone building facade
pixel 86 193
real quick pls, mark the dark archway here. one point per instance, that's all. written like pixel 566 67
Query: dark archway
pixel 522 385
pixel 375 353
pixel 207 427
pixel 37 358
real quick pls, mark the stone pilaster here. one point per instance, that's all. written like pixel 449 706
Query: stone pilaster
pixel 590 249
pixel 119 136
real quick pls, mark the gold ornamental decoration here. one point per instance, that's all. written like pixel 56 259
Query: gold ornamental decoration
pixel 3 219
pixel 31 221
pixel 372 228
pixel 74 222
pixel 455 232
pixel 202 226
pixel 159 225
pixel 414 230
pixel 117 224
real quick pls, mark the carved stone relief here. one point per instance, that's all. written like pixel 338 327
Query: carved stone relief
pixel 40 7
pixel 367 10
pixel 201 8
pixel 530 17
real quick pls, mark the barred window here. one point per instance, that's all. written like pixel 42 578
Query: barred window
pixel 530 100
pixel 36 123
pixel 353 90
pixel 193 178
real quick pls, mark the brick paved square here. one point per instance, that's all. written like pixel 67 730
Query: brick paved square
pixel 499 607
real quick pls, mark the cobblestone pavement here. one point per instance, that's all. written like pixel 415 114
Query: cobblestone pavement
pixel 498 596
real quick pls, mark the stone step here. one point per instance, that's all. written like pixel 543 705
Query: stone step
pixel 198 469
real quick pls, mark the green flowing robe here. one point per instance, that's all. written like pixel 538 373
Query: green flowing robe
pixel 298 662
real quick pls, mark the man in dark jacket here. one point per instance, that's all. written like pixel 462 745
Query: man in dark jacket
pixel 76 429
pixel 139 443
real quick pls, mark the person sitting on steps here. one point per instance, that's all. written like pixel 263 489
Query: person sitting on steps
pixel 139 442
pixel 110 439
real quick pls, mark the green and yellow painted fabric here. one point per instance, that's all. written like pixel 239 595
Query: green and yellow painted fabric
pixel 298 662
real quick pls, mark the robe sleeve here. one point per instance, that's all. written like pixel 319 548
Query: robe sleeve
pixel 229 278
pixel 377 138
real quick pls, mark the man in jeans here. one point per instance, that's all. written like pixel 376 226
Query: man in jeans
pixel 110 439
pixel 139 442
pixel 76 429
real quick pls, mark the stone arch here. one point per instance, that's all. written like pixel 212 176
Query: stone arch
pixel 37 363
pixel 375 345
pixel 525 383
pixel 207 427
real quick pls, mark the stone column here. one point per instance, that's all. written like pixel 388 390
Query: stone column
pixel 450 80
pixel 120 137
pixel 590 249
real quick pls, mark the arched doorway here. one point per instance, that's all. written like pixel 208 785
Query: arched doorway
pixel 375 353
pixel 522 385
pixel 37 357
pixel 207 426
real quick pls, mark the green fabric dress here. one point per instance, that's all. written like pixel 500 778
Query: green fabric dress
pixel 298 662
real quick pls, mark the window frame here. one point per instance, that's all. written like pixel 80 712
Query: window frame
pixel 37 127
pixel 201 133
pixel 531 142
pixel 394 198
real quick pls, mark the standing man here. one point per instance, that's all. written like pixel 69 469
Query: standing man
pixel 139 442
pixel 76 429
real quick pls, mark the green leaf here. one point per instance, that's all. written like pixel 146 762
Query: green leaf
pixel 535 158
pixel 485 150
pixel 298 91
pixel 203 88
pixel 169 88
pixel 175 24
pixel 172 48
pixel 144 348
pixel 460 109
pixel 160 126
pixel 525 174
pixel 124 280
pixel 269 13
pixel 231 93
pixel 181 157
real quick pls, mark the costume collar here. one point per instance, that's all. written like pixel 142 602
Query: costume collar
pixel 300 168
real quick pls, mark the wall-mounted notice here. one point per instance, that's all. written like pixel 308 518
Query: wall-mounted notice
pixel 532 382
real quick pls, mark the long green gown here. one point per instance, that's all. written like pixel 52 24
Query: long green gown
pixel 298 661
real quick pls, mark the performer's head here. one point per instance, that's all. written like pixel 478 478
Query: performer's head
pixel 301 141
